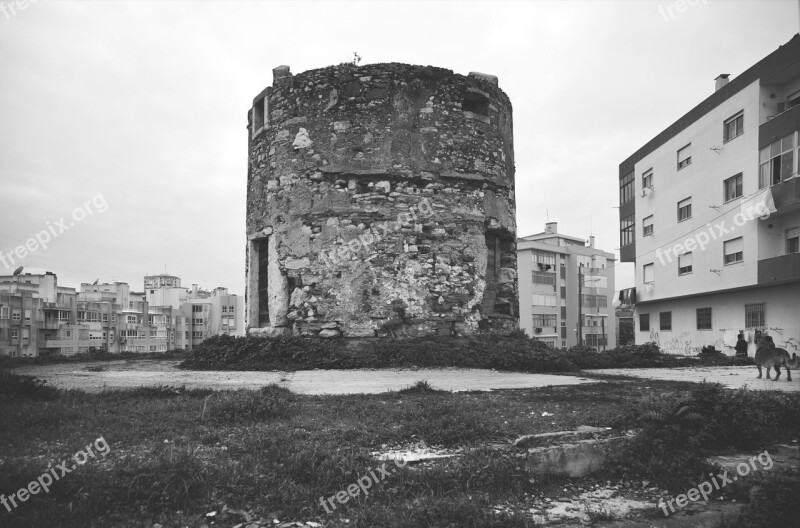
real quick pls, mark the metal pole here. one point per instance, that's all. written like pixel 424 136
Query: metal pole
pixel 580 311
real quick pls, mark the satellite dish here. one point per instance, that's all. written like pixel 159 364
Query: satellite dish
pixel 96 281
pixel 18 270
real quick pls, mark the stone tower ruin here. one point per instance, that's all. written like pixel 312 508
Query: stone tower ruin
pixel 380 202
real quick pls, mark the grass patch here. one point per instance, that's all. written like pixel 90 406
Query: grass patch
pixel 682 429
pixel 275 453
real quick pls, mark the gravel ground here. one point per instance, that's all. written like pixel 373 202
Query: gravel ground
pixel 148 373
pixel 731 377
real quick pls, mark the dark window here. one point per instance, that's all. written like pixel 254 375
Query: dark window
pixel 684 209
pixel 259 112
pixel 563 332
pixel 793 240
pixel 733 127
pixel 755 315
pixel 647 179
pixel 263 283
pixel 685 156
pixel 732 187
pixel 626 230
pixel 563 292
pixel 733 250
pixel 563 313
pixel 476 103
pixel 563 272
pixel 644 322
pixel 665 320
pixel 776 162
pixel 626 188
pixel 685 263
pixel 704 318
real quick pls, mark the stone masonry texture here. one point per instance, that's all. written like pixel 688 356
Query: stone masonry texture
pixel 380 202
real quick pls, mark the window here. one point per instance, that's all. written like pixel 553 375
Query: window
pixel 626 188
pixel 665 320
pixel 260 114
pixel 113 318
pixel 105 318
pixel 563 313
pixel 27 316
pixel 685 209
pixel 197 308
pixel 648 270
pixel 197 335
pixel 793 240
pixel 776 162
pixel 647 226
pixel 563 271
pixel 16 315
pixel 538 278
pixel 544 300
pixel 733 250
pixel 647 179
pixel 130 319
pixel 644 322
pixel 475 102
pixel 544 320
pixel 563 292
pixel 224 308
pixel 626 230
pixel 704 318
pixel 685 156
pixel 4 312
pixel 545 259
pixel 685 263
pixel 755 315
pixel 197 321
pixel 14 334
pixel 732 187
pixel 733 127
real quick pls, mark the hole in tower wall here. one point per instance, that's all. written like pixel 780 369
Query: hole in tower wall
pixel 260 115
pixel 498 294
pixel 262 247
pixel 475 103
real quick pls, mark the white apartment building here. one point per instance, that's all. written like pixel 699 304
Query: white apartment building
pixel 555 271
pixel 710 215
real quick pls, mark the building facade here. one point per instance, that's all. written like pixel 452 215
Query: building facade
pixel 40 318
pixel 380 202
pixel 566 290
pixel 710 215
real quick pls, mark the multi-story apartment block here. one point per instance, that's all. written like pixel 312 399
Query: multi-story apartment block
pixel 206 313
pixel 710 215
pixel 33 308
pixel 566 290
pixel 38 317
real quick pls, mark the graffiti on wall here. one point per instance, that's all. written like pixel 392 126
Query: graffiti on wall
pixel 680 345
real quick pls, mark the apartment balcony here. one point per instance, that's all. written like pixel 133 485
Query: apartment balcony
pixel 49 324
pixel 777 270
pixel 61 343
pixel 786 195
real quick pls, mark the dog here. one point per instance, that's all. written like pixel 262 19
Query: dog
pixel 769 356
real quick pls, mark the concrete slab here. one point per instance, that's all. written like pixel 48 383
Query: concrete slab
pixel 153 373
pixel 731 377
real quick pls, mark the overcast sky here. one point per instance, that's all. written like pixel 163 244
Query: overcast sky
pixel 136 111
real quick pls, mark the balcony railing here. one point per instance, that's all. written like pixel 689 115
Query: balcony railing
pixel 777 270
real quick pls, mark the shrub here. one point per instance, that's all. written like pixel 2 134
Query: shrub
pixel 17 387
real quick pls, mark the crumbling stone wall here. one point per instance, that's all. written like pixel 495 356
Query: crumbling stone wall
pixel 380 201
